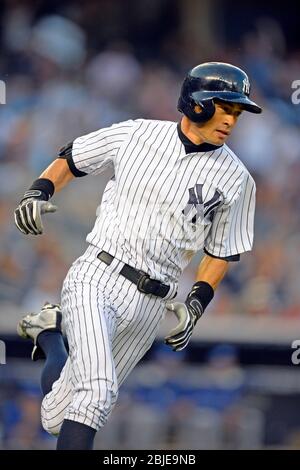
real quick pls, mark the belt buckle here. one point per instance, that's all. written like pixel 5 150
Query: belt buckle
pixel 141 282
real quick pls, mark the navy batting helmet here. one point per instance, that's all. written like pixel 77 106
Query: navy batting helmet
pixel 214 81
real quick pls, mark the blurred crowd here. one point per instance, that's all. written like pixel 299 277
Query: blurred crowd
pixel 165 403
pixel 169 402
pixel 63 80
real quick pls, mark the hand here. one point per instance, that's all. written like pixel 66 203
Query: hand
pixel 48 306
pixel 188 314
pixel 28 215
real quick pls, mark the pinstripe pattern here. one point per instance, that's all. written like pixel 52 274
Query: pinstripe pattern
pixel 110 325
pixel 161 206
pixel 140 221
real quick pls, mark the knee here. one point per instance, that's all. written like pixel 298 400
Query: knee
pixel 92 409
pixel 51 418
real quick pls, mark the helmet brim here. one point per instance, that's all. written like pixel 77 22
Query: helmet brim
pixel 227 97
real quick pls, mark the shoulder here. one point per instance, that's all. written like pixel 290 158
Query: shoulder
pixel 114 130
pixel 240 175
pixel 154 123
pixel 237 162
pixel 123 128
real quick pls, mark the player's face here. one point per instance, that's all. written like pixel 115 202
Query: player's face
pixel 219 127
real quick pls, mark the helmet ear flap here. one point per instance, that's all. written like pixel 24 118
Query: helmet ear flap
pixel 187 107
pixel 208 110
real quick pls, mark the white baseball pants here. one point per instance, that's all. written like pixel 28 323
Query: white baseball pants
pixel 109 326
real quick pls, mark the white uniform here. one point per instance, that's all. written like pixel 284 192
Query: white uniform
pixel 167 200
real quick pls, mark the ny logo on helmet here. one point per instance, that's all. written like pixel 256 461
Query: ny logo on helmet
pixel 246 86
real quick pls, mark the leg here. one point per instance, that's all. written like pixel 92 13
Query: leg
pixel 53 346
pixel 44 329
pixel 101 312
pixel 75 435
pixel 89 326
pixel 130 344
pixel 56 402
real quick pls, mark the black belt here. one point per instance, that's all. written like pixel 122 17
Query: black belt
pixel 138 277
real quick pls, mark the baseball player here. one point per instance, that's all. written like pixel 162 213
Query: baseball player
pixel 177 188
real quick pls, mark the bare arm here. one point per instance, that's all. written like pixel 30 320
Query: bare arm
pixel 212 270
pixel 59 173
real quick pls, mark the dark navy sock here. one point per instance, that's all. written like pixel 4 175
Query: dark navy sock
pixel 75 435
pixel 52 343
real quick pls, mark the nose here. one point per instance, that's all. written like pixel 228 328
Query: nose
pixel 230 120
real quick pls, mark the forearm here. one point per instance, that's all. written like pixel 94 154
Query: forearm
pixel 212 270
pixel 59 173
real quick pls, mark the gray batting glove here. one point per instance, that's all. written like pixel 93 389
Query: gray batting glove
pixel 188 314
pixel 28 214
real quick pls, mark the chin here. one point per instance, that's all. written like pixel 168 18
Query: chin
pixel 218 141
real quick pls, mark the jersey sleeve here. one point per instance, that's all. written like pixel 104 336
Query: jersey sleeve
pixel 95 152
pixel 232 227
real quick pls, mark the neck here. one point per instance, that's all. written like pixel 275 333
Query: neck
pixel 191 131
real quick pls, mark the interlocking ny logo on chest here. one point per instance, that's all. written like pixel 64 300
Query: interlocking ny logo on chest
pixel 196 210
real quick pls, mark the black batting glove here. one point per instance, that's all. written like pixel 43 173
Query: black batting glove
pixel 28 214
pixel 188 313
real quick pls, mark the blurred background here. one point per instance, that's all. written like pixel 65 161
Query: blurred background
pixel 71 67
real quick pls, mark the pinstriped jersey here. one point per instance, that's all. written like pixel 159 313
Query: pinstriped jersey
pixel 166 200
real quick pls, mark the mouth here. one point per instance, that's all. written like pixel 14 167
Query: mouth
pixel 223 133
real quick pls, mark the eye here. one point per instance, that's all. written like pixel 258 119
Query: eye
pixel 228 110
